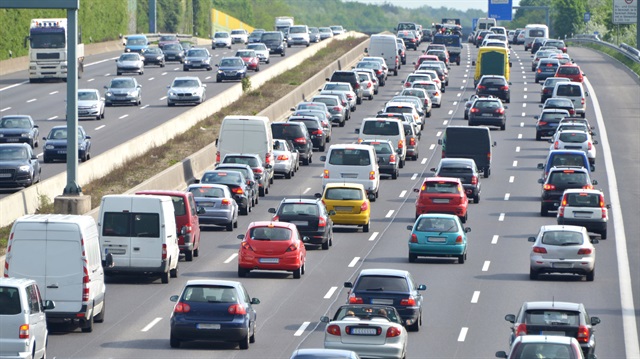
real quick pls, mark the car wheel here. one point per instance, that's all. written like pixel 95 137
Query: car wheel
pixel 402 162
pixel 341 123
pixel 174 342
pixel 395 72
pixel 412 257
pixel 415 327
pixel 257 68
pixel 502 127
pixel 170 104
pixel 229 227
pixel 252 338
pixel 538 137
pixel 533 274
pixel 242 272
pixel 464 219
pixel 244 211
pixel 487 172
pixel 164 277
pixel 267 62
pixel 370 97
pixel 235 224
pixel 359 100
pixel 244 342
pixel 461 258
pixel 325 245
pixel 305 161
pixel 591 275
pixel 188 256
pixel 365 228
pixel 88 325
pixel 297 273
pixel 196 252
pixel 119 73
pixel 544 212
pixel 603 234
pixel 174 272
pixel 321 148
pixel 218 79
pixel 394 175
pixel 304 266
pixel 185 68
pixel 476 198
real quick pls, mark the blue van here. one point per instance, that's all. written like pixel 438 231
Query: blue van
pixel 565 158
pixel 136 43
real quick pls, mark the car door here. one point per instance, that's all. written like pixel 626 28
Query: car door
pixel 146 243
pixel 37 318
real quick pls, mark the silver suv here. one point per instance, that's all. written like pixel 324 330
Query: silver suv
pixel 23 324
pixel 586 208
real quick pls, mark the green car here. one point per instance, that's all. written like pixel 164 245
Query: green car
pixel 438 235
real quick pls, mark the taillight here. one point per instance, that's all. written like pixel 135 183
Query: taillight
pixel 372 175
pixel 539 70
pixel 357 86
pixel 355 300
pixel 500 111
pixel 407 84
pixel 275 218
pixel 378 72
pixel 412 141
pixel 583 334
pixel 322 222
pixel 585 251
pixel 582 100
pixel 556 145
pixel 317 132
pixel 474 110
pixel 369 84
pixel 181 308
pixel 572 112
pixel 392 158
pixel 459 239
pixel 546 90
pixel 561 210
pixel 589 145
pixel 247 246
pixel 548 187
pixel 393 332
pixel 300 140
pixel 258 170
pixel 350 96
pixel 237 309
pixel 489 156
pixel 400 144
pixel 333 329
pixel 283 158
pixel 540 250
pixel 237 190
pixel 225 202
pixel 504 88
pixel 414 238
pixel 326 174
pixel 164 251
pixel 604 213
pixel 602 201
pixel 217 156
pixel 542 123
pixel 481 87
pixel 293 247
pixel 474 180
pixel 364 206
pixel 411 301
pixel 23 331
pixel 337 108
pixel 521 329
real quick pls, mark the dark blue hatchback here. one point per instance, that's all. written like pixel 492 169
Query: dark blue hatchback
pixel 231 68
pixel 213 310
pixel 55 147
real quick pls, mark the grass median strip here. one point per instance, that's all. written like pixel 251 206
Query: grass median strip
pixel 157 159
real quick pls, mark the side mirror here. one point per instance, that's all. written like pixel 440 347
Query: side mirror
pixel 536 117
pixel 327 79
pixel 348 285
pixel 255 301
pixel 432 169
pixel 357 130
pixel 292 109
pixel 467 230
pixel 34 157
pixel 586 94
pixel 410 228
pixel 323 158
pixel 440 141
pixel 116 60
pixel 473 63
pixel 595 142
pixel 183 230
pixel 540 106
pixel 174 298
pixel 108 261
pixel 550 140
pixel 240 236
pixel 593 134
pixel 324 319
pixel 540 166
pixel 595 320
pixel 201 210
pixel 87 137
pixel 318 195
pixel 510 318
pixel 416 190
pixel 540 180
pixel 531 239
pixel 594 182
pixel 332 213
pixel 217 65
pixel 49 304
pixel 494 144
pixel 106 87
pixel 271 210
pixel 422 287
pixel 501 354
pixel 371 197
pixel 595 241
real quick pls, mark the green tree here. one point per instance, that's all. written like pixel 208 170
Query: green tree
pixel 567 16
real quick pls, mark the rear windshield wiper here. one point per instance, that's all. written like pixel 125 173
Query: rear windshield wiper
pixel 375 289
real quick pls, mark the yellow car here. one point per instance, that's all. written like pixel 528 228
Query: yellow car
pixel 350 203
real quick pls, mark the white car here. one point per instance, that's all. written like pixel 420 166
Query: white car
pixel 423 95
pixel 373 331
pixel 130 62
pixel 286 158
pixel 367 84
pixel 221 39
pixel 343 87
pixel 239 36
pixel 586 208
pixel 90 104
pixel 432 89
pixel 262 51
pixel 543 346
pixel 186 90
pixel 576 140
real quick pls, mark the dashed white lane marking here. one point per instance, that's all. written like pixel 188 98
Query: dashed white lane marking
pixel 143 107
pixel 458 95
pixel 414 176
pixel 52 118
pixel 518 149
pixel 353 262
pixel 515 164
pixel 465 75
pixel 424 160
pixel 31 100
pixel 524 105
pixel 524 77
pixel 207 78
pixel 525 97
pixel 446 121
pixel 463 334
pixel 525 84
pixel 176 68
pixel 464 81
pixel 475 297
pixel 107 74
pixel 301 329
pixel 506 196
pixel 455 103
pixel 5 109
pixel 53 93
pixel 494 240
pixel 151 78
pixel 330 292
pixel 519 136
pixel 450 112
pixel 521 124
pixel 306 190
pixel 163 98
pixel 438 134
pixel 150 325
pixel 373 236
pixel 231 258
pixel 524 114
pixel 164 73
pixel 501 217
pixel 99 127
pixel 485 266
pixel 123 116
pixel 525 89
pixel 90 80
pixel 403 193
pixel 511 179
pixel 389 214
pixel 433 145
pixel 461 87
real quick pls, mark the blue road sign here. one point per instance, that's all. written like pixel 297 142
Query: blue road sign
pixel 587 16
pixel 501 9
pixel 474 23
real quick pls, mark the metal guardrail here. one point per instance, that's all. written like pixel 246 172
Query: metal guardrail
pixel 626 50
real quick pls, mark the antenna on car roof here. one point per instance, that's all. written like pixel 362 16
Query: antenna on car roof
pixel 553 301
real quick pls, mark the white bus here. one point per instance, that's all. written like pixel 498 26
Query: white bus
pixel 532 31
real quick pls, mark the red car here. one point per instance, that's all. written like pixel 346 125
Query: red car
pixel 271 246
pixel 250 58
pixel 442 195
pixel 570 71
pixel 425 58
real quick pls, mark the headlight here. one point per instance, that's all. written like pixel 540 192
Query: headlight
pixel 109 94
pixel 220 72
pixel 187 62
pixel 131 93
pixel 24 168
pixel 25 135
pixel 81 146
pixel 171 93
pixel 48 147
pixel 94 106
pixel 158 57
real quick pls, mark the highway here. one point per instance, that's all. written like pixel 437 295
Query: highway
pixel 45 102
pixel 464 304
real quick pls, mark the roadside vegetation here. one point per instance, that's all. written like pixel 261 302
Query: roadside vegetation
pixel 633 65
pixel 157 159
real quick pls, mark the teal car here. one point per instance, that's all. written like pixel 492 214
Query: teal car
pixel 438 235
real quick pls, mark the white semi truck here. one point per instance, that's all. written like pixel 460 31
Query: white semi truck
pixel 48 52
pixel 283 23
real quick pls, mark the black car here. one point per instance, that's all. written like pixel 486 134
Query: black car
pixel 197 58
pixel 231 68
pixel 546 68
pixel 535 318
pixel 153 56
pixel 466 170
pixel 351 78
pixel 412 137
pixel 311 218
pixel 409 38
pixel 488 111
pixel 494 85
pixel 298 134
pixel 263 170
pixel 19 166
pixel 237 183
pixel 274 41
pixel 547 122
pixel 559 179
pixel 560 103
pixel 388 159
pixel 537 44
pixel 427 35
pixel 19 128
pixel 314 126
pixel 247 172
pixel 391 287
pixel 55 146
pixel 173 52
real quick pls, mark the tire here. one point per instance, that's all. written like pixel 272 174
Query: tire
pixel 261 192
pixel 174 342
pixel 196 252
pixel 100 317
pixel 188 256
pixel 476 198
pixel 288 175
pixel 538 137
pixel 533 274
pixel 119 73
pixel 487 172
pixel 174 272
pixel 297 273
pixel 591 275
pixel 252 338
pixel 462 258
pixel 464 219
pixel 502 127
pixel 325 245
pixel 412 257
pixel 321 148
pixel 415 327
pixel 402 162
pixel 394 175
pixel 365 228
pixel 305 161
pixel 88 325
pixel 185 69
pixel 244 211
pixel 544 212
pixel 242 272
pixel 244 342
pixel 603 234
pixel 229 227
pixel 164 277
pixel 395 72
pixel 359 100
pixel 342 123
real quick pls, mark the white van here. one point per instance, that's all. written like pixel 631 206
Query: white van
pixel 140 233
pixel 62 254
pixel 298 35
pixel 532 31
pixel 247 134
pixel 575 92
pixel 485 23
pixel 385 129
pixel 385 46
pixel 353 163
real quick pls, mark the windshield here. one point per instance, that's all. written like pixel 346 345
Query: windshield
pixel 122 84
pixel 220 35
pixel 87 96
pixel 197 53
pixel 47 38
pixel 129 57
pixel 207 192
pixel 61 134
pixel 136 42
pixel 231 62
pixel 172 47
pixel 185 83
pixel 13 153
pixel 15 122
pixel 222 178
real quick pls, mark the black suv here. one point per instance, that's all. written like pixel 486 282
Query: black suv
pixel 310 216
pixel 316 132
pixel 349 77
pixel 298 134
pixel 489 112
pixel 466 170
pixel 559 179
pixel 494 85
pixel 274 40
pixel 548 121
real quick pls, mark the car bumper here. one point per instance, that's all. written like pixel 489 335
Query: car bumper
pixel 590 225
pixel 545 132
pixel 287 262
pixel 371 186
pixel 388 168
pixel 184 99
pixel 216 217
pixel 221 44
pixel 124 70
pixel 359 219
pixel 316 237
pixel 387 350
pixel 121 99
pixel 238 76
pixel 457 210
pixel 199 65
pixel 489 121
pixel 17 180
pixel 437 250
pixel 283 167
pixel 232 331
pixel 61 154
pixel 173 58
pixel 576 266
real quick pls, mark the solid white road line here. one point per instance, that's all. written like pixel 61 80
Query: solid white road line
pixel 389 214
pixel 501 217
pixel 506 196
pixel 353 262
pixel 231 258
pixel 403 193
pixel 511 179
pixel 414 176
pixel 463 334
pixel 475 297
pixel 631 341
pixel 494 240
pixel 485 266
pixel 150 325
pixel 433 145
pixel 99 127
pixel 373 236
pixel 301 329
pixel 330 292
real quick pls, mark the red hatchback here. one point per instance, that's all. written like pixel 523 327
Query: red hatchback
pixel 442 195
pixel 570 71
pixel 271 246
pixel 250 59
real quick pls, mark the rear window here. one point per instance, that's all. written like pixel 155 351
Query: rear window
pixel 251 161
pixel 454 171
pixel 330 102
pixel 441 187
pixel 286 131
pixel 385 128
pixel 9 301
pixel 552 317
pixel 337 87
pixel 568 178
pixel 382 148
pixel 562 238
pixel 568 160
pixel 207 192
pixel 349 157
pixel 289 209
pixel 583 199
pixel 382 283
pixel 568 90
pixel 270 234
pixel 311 124
pixel 553 117
pixel 442 225
pixel 179 206
pixel 228 178
pixel 542 350
pixel 536 33
pixel 127 224
pixel 209 294
pixel 344 194
pixel 573 137
pixel 568 70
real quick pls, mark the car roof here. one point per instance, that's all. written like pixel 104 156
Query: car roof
pixel 561 227
pixel 301 200
pixel 552 305
pixel 15 282
pixel 460 161
pixel 229 283
pixel 162 192
pixel 272 224
pixel 233 165
pixel 344 184
pixel 546 339
pixel 384 272
pixel 252 155
pixel 442 179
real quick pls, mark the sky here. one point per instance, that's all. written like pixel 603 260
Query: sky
pixel 457 4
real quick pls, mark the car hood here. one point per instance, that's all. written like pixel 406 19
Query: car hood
pixel 151 55
pixel 172 52
pixel 231 68
pixel 14 131
pixel 129 63
pixel 197 58
pixel 87 103
pixel 59 142
pixel 121 90
pixel 184 89
pixel 13 163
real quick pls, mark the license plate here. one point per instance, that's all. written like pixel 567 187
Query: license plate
pixel 270 260
pixel 62 152
pixel 300 223
pixel 440 200
pixel 343 209
pixel 5 175
pixel 12 139
pixel 207 326
pixel 349 175
pixel 582 214
pixel 363 331
pixel 562 265
pixel 487 115
pixel 117 251
pixel 382 301
pixel 554 333
pixel 436 239
pixel 206 204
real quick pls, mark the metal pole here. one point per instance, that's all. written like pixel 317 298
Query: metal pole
pixel 637 26
pixel 72 104
pixel 152 16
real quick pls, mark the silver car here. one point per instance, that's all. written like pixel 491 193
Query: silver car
pixel 124 90
pixel 221 39
pixel 197 58
pixel 575 140
pixel 367 84
pixel 130 62
pixel 344 88
pixel 186 90
pixel 373 77
pixel 90 104
pixel 220 208
pixel 262 51
pixel 563 249
pixel 286 158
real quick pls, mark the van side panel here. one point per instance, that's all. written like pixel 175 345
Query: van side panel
pixel 245 135
pixel 384 46
pixel 474 143
pixel 112 224
pixel 28 251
